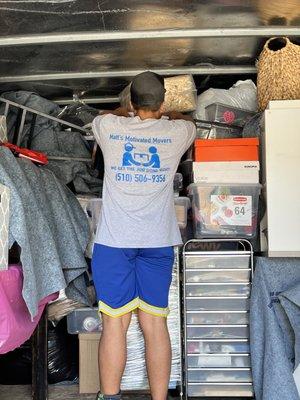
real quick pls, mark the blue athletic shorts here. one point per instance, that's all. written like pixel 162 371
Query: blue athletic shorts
pixel 127 279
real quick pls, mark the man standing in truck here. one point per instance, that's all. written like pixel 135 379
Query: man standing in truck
pixel 133 253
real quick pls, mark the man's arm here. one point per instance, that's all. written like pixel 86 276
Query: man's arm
pixel 119 112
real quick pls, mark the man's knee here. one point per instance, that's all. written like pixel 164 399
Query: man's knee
pixel 151 324
pixel 116 325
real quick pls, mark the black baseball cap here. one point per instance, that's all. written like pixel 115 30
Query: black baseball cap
pixel 147 89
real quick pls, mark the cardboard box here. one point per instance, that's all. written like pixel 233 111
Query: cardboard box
pixel 226 166
pixel 4 225
pixel 226 149
pixel 226 172
pixel 243 176
pixel 88 363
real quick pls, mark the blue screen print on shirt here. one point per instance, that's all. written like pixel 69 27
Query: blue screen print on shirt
pixel 152 158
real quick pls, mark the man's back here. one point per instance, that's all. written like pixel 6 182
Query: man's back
pixel 141 158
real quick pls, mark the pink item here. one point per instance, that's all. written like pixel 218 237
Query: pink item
pixel 16 325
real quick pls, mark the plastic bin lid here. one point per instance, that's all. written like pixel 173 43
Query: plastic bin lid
pixel 221 185
pixel 226 142
pixel 228 107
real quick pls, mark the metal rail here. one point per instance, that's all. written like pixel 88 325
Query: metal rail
pixel 110 36
pixel 205 69
pixel 23 110
pixel 89 100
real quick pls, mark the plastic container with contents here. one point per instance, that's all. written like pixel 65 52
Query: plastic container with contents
pixel 217 317
pixel 218 332
pixel 217 275
pixel 220 390
pixel 207 346
pixel 177 183
pixel 228 210
pixel 227 114
pixel 182 204
pixel 220 375
pixel 219 133
pixel 84 320
pixel 217 289
pixel 219 304
pixel 218 261
pixel 219 360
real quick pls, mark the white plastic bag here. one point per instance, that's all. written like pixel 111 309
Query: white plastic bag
pixel 241 95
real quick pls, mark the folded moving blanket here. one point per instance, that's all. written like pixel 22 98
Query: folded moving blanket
pixel 48 223
pixel 275 327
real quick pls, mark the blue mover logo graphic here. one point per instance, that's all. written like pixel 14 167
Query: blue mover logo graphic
pixel 150 159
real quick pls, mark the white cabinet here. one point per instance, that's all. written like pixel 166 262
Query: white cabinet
pixel 281 177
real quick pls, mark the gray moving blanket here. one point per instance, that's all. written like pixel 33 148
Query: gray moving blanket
pixel 275 328
pixel 49 225
pixel 48 137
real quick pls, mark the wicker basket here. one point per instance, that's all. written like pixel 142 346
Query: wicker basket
pixel 274 12
pixel 278 76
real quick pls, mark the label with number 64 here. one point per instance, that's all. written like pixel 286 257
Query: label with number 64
pixel 231 210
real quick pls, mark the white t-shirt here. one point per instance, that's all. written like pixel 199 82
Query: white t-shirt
pixel 141 158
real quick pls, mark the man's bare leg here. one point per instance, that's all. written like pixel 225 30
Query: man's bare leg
pixel 158 353
pixel 112 352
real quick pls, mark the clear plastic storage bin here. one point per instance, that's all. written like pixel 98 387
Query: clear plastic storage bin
pixel 225 210
pixel 218 346
pixel 227 114
pixel 214 318
pixel 219 360
pixel 218 261
pixel 182 204
pixel 217 289
pixel 94 212
pixel 218 275
pixel 84 320
pixel 220 375
pixel 218 304
pixel 220 390
pixel 217 332
pixel 177 183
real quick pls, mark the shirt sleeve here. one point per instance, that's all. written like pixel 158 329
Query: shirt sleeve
pixel 187 130
pixel 98 127
pixel 190 133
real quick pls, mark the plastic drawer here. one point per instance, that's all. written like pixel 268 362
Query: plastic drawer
pixel 220 289
pixel 220 375
pixel 217 347
pixel 220 317
pixel 219 360
pixel 84 320
pixel 220 390
pixel 218 304
pixel 218 332
pixel 182 204
pixel 218 275
pixel 218 261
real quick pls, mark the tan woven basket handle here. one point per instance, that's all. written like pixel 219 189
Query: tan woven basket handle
pixel 288 43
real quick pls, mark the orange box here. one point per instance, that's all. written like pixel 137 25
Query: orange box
pixel 227 149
